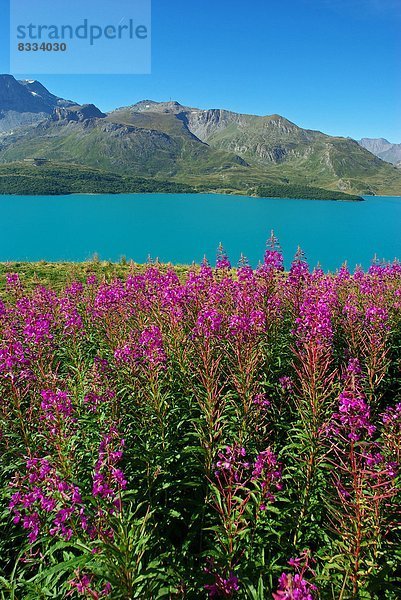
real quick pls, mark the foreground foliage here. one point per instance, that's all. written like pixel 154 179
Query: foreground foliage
pixel 211 433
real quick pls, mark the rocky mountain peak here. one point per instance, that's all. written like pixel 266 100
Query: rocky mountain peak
pixel 14 96
pixel 77 113
pixel 172 106
pixel 25 102
pixel 383 149
pixel 38 90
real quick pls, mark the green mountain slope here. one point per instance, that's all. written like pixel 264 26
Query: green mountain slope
pixel 281 149
pixel 208 149
pixel 276 149
pixel 117 146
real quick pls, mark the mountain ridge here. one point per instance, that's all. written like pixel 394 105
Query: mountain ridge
pixel 192 146
pixel 383 149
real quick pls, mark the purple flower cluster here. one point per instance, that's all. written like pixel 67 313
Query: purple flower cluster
pixel 261 401
pixel 128 354
pixel 84 586
pixel 108 479
pixel 354 415
pixel 93 400
pixel 294 587
pixel 13 282
pixel 273 258
pixel 268 472
pixel 377 318
pixel 231 464
pixel 354 370
pixel 286 383
pixel 13 359
pixel 242 325
pixel 70 316
pixel 314 323
pixel 57 410
pixel 151 349
pixel 45 500
pixel 145 349
pixel 38 329
pixel 208 323
pixel 233 469
pixel 223 586
pixel 299 271
pixel 222 260
pixel 392 417
pixel 378 467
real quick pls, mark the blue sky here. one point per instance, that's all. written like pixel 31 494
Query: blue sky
pixel 331 65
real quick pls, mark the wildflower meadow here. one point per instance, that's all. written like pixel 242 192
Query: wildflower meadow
pixel 214 433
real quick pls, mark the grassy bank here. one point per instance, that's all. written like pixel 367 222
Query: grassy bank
pixel 57 275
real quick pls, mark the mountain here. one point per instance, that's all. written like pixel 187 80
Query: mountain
pixel 273 147
pixel 210 149
pixel 23 103
pixel 121 142
pixel 383 149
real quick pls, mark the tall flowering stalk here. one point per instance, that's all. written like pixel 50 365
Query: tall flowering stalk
pixel 363 483
pixel 316 373
pixel 391 432
pixel 246 328
pixel 240 490
pixel 51 504
pixel 209 392
pixel 367 327
pixel 376 328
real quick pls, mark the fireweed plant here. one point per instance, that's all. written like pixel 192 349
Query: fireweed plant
pixel 219 432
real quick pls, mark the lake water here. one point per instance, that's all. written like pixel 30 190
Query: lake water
pixel 183 228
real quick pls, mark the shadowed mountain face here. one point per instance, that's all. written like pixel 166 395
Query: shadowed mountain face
pixel 383 149
pixel 36 89
pixel 25 102
pixel 190 145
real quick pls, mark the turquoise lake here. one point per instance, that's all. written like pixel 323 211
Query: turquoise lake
pixel 183 228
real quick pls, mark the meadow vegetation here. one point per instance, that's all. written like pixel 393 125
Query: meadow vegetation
pixel 200 431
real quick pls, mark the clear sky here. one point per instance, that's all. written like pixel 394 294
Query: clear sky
pixel 332 65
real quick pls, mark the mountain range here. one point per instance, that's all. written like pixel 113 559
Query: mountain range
pixel 212 149
pixel 383 149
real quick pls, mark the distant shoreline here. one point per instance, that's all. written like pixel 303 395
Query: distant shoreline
pixel 204 193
